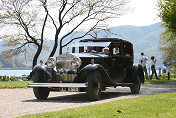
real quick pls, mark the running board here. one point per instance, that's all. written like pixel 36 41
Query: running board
pixel 76 85
pixel 124 84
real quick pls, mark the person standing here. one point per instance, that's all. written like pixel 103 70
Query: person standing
pixel 153 61
pixel 168 72
pixel 159 68
pixel 90 49
pixel 142 61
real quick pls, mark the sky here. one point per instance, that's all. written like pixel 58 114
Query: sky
pixel 144 12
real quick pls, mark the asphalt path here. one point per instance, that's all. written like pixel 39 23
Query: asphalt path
pixel 17 102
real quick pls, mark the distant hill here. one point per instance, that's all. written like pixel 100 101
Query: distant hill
pixel 144 38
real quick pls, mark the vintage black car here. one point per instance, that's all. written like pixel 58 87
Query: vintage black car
pixel 92 65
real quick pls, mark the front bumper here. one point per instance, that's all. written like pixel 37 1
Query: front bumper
pixel 76 85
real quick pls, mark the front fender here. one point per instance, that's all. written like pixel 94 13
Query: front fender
pixel 39 68
pixel 81 77
pixel 90 67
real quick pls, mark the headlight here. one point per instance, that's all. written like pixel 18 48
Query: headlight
pixel 76 62
pixel 51 63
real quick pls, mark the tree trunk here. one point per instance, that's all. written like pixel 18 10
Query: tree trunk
pixel 55 46
pixel 36 56
pixel 60 50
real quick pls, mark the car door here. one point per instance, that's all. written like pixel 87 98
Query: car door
pixel 128 53
pixel 118 70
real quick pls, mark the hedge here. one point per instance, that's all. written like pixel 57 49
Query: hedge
pixel 6 78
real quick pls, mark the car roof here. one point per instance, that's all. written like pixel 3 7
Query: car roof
pixel 105 40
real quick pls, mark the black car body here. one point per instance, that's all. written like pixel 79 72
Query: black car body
pixel 108 64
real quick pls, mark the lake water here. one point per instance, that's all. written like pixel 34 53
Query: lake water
pixel 22 72
pixel 14 72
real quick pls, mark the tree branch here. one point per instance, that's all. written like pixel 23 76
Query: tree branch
pixel 91 29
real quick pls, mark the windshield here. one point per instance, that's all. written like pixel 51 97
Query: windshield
pixel 94 44
pixel 90 47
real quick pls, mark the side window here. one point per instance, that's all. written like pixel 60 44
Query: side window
pixel 128 51
pixel 76 49
pixel 116 49
pixel 73 49
pixel 81 49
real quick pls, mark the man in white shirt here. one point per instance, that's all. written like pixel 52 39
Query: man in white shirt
pixel 142 61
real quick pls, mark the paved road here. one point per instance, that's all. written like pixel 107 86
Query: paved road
pixel 16 102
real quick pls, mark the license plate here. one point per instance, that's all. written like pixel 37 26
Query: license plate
pixel 70 89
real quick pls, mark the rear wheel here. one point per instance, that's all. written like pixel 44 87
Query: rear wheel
pixel 135 88
pixel 93 90
pixel 41 93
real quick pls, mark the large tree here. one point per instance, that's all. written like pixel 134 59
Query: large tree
pixel 87 15
pixel 22 26
pixel 26 21
pixel 167 13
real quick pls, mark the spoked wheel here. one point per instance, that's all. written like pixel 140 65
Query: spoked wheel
pixel 93 90
pixel 41 93
pixel 135 89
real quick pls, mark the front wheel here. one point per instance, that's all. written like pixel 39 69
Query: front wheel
pixel 41 93
pixel 93 90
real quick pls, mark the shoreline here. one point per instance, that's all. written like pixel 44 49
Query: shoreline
pixel 15 72
pixel 15 68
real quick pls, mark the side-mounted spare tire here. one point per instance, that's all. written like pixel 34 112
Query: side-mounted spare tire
pixel 94 80
pixel 41 93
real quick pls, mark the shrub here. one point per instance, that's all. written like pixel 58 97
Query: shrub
pixel 165 76
pixel 5 78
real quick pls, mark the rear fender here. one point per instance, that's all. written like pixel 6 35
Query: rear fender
pixel 134 74
pixel 141 73
pixel 138 71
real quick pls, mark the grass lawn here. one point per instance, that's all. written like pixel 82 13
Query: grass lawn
pixel 14 84
pixel 152 106
pixel 163 79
